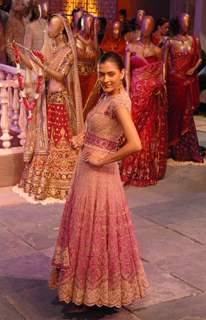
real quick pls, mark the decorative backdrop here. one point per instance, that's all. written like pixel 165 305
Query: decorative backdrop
pixel 103 8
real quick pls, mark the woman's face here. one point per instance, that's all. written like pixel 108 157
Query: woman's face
pixel 110 77
pixel 55 27
pixel 139 17
pixel 164 28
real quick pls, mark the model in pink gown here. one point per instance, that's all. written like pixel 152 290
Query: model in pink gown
pixel 96 260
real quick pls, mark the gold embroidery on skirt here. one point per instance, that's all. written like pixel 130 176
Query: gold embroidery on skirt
pixel 57 97
pixel 123 292
pixel 50 175
pixel 58 171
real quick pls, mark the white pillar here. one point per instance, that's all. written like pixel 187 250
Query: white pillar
pixel 22 125
pixel 10 101
pixel 6 137
pixel 16 108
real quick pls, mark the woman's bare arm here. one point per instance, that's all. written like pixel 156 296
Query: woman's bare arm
pixel 57 75
pixel 133 143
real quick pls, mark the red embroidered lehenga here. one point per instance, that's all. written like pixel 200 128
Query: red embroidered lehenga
pixel 183 100
pixel 50 159
pixel 149 113
pixel 96 260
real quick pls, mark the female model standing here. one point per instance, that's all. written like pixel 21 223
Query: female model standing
pixel 160 33
pixel 96 260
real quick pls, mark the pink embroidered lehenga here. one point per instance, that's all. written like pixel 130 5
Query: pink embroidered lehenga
pixel 96 260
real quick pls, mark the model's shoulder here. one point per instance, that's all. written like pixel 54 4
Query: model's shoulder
pixel 121 100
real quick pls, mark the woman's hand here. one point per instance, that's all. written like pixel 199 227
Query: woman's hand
pixel 78 141
pixel 94 158
pixel 38 62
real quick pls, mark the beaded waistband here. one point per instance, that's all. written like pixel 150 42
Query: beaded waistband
pixel 103 143
pixel 57 97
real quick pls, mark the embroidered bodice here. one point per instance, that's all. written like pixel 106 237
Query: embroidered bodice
pixel 183 55
pixel 61 62
pixel 102 127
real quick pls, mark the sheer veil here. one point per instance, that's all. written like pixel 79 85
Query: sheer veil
pixel 73 80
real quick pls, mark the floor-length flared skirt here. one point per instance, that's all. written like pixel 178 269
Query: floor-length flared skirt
pixel 96 260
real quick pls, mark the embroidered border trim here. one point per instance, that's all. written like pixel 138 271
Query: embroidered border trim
pixel 91 138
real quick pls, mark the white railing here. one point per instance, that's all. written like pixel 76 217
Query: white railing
pixel 12 115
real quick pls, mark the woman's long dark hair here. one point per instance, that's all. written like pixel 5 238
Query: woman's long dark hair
pixel 174 27
pixel 160 22
pixel 113 57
